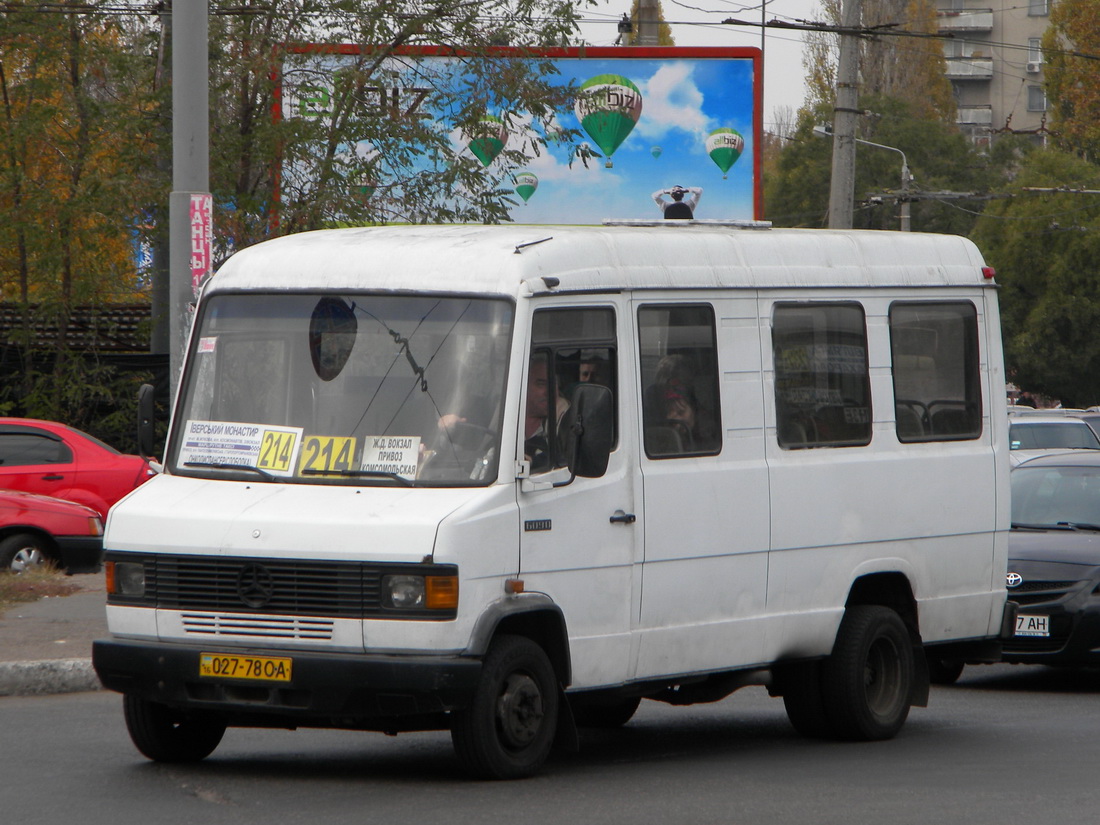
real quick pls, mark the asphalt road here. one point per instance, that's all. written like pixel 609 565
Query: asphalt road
pixel 1008 744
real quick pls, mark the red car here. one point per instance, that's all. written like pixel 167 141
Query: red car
pixel 36 529
pixel 52 459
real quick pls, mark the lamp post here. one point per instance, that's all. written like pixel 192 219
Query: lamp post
pixel 906 177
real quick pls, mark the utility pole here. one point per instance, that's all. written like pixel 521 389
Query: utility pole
pixel 843 183
pixel 190 203
pixel 648 23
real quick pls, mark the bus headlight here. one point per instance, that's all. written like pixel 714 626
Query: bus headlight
pixel 403 591
pixel 125 578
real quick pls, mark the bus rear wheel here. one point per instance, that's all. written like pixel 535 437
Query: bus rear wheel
pixel 868 679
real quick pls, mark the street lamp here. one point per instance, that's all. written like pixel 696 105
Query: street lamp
pixel 906 177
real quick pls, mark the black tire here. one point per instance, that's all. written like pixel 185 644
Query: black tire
pixel 508 729
pixel 603 712
pixel 868 679
pixel 943 671
pixel 23 551
pixel 165 734
pixel 804 699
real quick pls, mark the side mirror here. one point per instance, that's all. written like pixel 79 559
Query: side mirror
pixel 588 430
pixel 145 420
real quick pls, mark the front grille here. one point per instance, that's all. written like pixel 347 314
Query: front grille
pixel 273 627
pixel 314 588
pixel 1035 591
pixel 273 587
pixel 1035 644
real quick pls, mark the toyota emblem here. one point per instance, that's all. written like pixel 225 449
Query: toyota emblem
pixel 255 585
pixel 1013 580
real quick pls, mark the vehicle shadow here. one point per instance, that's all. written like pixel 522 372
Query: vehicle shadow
pixel 1039 678
pixel 347 756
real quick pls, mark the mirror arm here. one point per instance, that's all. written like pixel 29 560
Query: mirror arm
pixel 578 431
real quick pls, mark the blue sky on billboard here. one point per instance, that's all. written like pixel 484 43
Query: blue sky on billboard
pixel 685 97
pixel 682 102
pixel 700 24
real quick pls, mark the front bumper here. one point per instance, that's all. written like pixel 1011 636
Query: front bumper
pixel 80 554
pixel 1074 639
pixel 373 692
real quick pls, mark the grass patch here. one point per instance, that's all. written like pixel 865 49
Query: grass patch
pixel 32 585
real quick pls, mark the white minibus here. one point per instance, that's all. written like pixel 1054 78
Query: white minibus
pixel 508 481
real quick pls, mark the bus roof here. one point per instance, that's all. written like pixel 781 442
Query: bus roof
pixel 516 260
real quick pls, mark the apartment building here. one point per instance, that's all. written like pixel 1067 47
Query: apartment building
pixel 995 64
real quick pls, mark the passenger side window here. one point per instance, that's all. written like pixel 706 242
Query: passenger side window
pixel 934 352
pixel 25 449
pixel 569 347
pixel 679 364
pixel 822 385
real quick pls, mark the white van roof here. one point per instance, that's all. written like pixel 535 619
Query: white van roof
pixel 514 260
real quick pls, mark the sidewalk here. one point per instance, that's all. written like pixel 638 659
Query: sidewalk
pixel 46 646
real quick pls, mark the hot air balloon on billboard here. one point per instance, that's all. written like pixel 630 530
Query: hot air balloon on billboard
pixel 724 147
pixel 487 138
pixel 526 184
pixel 608 106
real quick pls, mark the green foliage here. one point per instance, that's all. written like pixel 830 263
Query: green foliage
pixel 1044 246
pixel 83 393
pixel 797 193
pixel 939 159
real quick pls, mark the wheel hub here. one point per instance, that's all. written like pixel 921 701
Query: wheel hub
pixel 27 558
pixel 519 710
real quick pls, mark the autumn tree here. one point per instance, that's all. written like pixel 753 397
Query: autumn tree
pixel 67 158
pixel 1070 48
pixel 85 143
pixel 69 150
pixel 899 58
pixel 664 30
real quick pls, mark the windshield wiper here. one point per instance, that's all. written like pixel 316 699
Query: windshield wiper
pixel 1061 525
pixel 222 465
pixel 360 474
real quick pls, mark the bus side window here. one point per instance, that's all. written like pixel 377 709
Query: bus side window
pixel 822 383
pixel 679 364
pixel 935 366
pixel 579 346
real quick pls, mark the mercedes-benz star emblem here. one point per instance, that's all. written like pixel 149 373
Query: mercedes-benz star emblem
pixel 1013 580
pixel 255 585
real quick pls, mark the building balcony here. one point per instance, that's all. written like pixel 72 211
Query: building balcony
pixel 969 68
pixel 968 20
pixel 974 116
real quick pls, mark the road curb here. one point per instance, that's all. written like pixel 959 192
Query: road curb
pixel 49 676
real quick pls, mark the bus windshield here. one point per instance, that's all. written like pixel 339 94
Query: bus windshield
pixel 347 388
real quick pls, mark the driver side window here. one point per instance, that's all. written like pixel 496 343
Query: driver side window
pixel 569 347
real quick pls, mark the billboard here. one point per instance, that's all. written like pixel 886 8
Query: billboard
pixel 641 129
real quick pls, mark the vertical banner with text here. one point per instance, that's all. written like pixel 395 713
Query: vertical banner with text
pixel 202 235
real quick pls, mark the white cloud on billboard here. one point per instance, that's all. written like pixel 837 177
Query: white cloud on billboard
pixel 672 102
